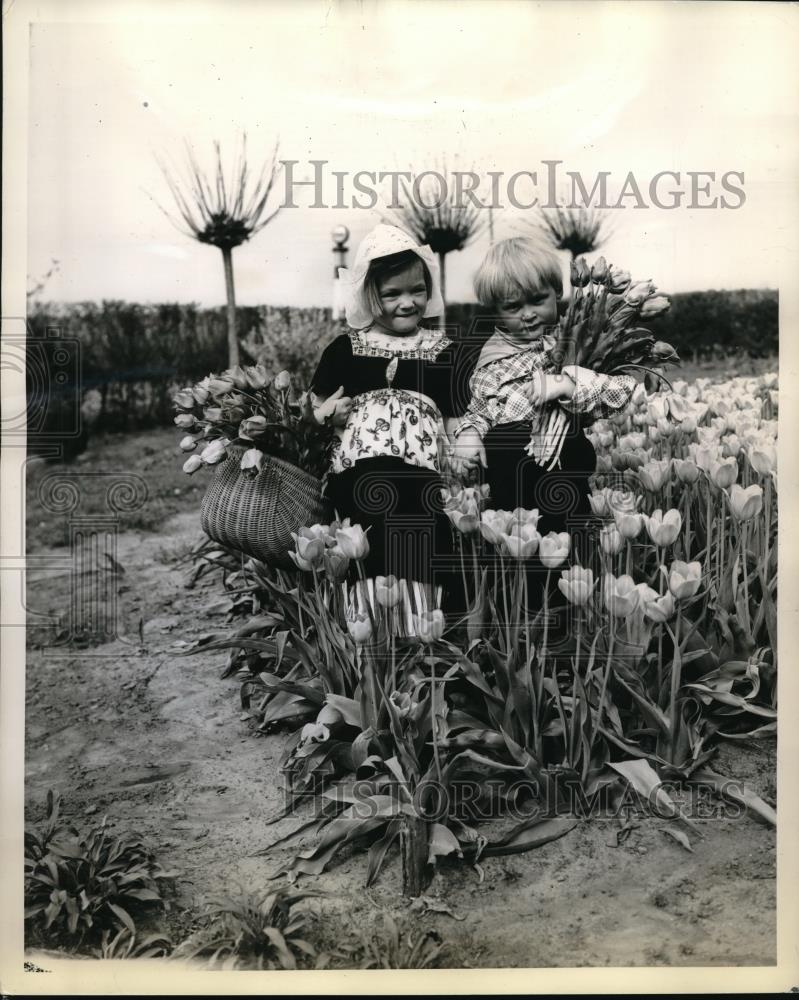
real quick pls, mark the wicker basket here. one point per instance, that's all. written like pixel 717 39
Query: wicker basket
pixel 256 514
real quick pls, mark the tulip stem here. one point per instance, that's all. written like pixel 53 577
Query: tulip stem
pixel 463 573
pixel 433 716
pixel 676 671
pixel 600 708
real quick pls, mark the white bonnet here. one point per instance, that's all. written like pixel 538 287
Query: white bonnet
pixel 383 241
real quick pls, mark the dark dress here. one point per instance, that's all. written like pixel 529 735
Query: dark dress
pixel 398 501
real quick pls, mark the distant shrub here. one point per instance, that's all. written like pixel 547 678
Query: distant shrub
pixel 134 356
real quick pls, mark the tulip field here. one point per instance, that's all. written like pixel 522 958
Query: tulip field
pixel 627 670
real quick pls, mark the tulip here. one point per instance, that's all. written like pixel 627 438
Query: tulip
pixel 580 273
pixel 201 394
pixel 465 523
pixel 256 377
pixel 352 540
pixel 654 435
pixel 310 547
pixel 663 351
pixel 632 442
pixel 192 464
pixel 599 271
pixel 763 459
pixel 336 564
pixel 655 306
pixel 524 516
pixel 215 451
pixel 252 427
pixel 188 443
pixel 494 523
pixel 687 471
pixel 654 475
pixel 359 625
pixel 660 609
pixel 746 503
pixel 657 408
pixel 628 459
pixel 314 732
pixel 522 542
pixel 636 294
pixel 688 425
pixel 684 578
pixel 252 459
pixel 576 584
pixel 620 595
pixel 664 528
pixel 219 386
pixel 554 548
pixel 603 464
pixel 611 539
pixel 730 446
pixel 237 375
pixel 619 280
pixel 184 399
pixel 640 395
pixel 724 473
pixel 213 414
pixel 282 381
pixel 665 427
pixel 402 703
pixel 599 504
pixel 769 380
pixel 628 525
pixel 387 591
pixel 429 625
pixel 624 501
pixel 704 457
pixel 185 421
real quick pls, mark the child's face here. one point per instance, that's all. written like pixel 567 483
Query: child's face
pixel 527 313
pixel 403 298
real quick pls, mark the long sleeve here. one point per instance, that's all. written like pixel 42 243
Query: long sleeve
pixel 331 372
pixel 597 395
pixel 484 409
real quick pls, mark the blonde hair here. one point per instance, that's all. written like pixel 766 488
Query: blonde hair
pixel 516 265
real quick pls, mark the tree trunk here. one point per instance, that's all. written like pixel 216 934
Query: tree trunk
pixel 232 339
pixel 442 263
pixel 415 848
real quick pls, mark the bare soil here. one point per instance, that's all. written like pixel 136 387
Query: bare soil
pixel 159 744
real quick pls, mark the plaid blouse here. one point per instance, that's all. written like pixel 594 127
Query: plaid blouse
pixel 497 396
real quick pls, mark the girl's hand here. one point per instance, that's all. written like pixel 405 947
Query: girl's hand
pixel 544 387
pixel 333 410
pixel 468 451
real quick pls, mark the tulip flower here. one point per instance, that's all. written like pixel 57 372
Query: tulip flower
pixel 730 446
pixel 603 464
pixel 661 609
pixel 494 523
pixel 599 504
pixel 663 351
pixel 684 578
pixel 620 595
pixel 336 564
pixel 201 394
pixel 402 702
pixel 186 421
pixel 252 427
pixel 763 459
pixel 724 473
pixel 215 451
pixel 664 529
pixel 314 732
pixel 638 293
pixel 688 425
pixel 624 501
pixel 599 270
pixel 359 625
pixel 665 427
pixel 523 516
pixel 352 540
pixel 192 464
pixel 654 475
pixel 188 443
pixel 429 625
pixel 387 591
pixel 580 273
pixel 632 442
pixel 237 376
pixel 687 471
pixel 654 306
pixel 576 584
pixel 256 376
pixel 640 395
pixel 746 503
pixel 184 399
pixel 619 280
pixel 220 386
pixel 521 542
pixel 704 457
pixel 252 459
pixel 611 539
pixel 310 547
pixel 282 381
pixel 629 525
pixel 553 548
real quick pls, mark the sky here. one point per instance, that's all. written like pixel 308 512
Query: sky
pixel 498 86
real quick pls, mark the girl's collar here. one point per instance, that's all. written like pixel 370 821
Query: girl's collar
pixel 371 342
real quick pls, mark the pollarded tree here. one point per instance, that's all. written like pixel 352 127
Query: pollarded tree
pixel 223 214
pixel 579 229
pixel 445 222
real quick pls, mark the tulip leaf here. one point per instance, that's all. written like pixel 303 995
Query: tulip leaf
pixel 738 793
pixel 679 835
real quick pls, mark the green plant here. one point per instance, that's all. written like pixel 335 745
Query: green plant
pixel 79 883
pixel 124 945
pixel 387 947
pixel 253 932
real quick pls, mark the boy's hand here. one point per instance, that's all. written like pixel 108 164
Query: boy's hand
pixel 468 452
pixel 544 387
pixel 333 410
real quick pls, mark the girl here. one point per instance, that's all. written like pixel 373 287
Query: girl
pixel 386 387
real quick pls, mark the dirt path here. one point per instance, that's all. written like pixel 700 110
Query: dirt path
pixel 159 744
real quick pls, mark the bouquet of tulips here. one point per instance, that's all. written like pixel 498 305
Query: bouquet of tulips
pixel 247 410
pixel 600 331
